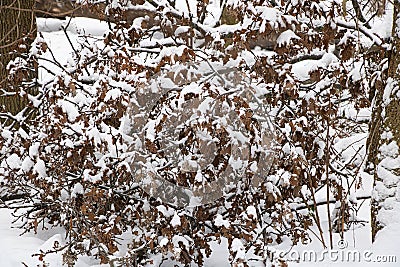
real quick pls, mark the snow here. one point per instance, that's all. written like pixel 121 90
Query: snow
pixel 251 211
pixel 191 88
pixel 176 220
pixel 238 247
pixel 40 168
pixel 14 161
pixel 34 149
pixel 357 242
pixel 181 30
pixel 301 69
pixel 27 164
pixel 390 86
pixel 390 178
pixel 180 239
pixel 351 24
pixel 164 242
pixel 390 149
pixel 165 211
pixel 81 25
pixel 15 249
pixel 78 189
pixel 113 94
pixel 219 221
pixel 286 37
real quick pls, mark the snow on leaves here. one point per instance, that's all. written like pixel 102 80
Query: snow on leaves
pixel 199 132
pixel 157 97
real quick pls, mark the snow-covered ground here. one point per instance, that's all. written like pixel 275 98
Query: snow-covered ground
pixel 356 249
pixel 18 250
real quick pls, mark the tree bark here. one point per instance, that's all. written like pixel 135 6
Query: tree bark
pixel 384 139
pixel 17 32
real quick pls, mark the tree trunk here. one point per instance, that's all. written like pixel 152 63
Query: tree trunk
pixel 17 32
pixel 384 140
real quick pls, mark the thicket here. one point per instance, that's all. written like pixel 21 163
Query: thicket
pixel 71 165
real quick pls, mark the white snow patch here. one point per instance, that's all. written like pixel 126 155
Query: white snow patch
pixel 286 38
pixel 176 220
pixel 40 168
pixel 219 221
pixel 14 161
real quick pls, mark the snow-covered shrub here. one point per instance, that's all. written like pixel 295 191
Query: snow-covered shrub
pixel 73 163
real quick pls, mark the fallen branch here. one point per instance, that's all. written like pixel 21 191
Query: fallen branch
pixel 359 27
pixel 13 197
pixel 324 202
pixel 67 8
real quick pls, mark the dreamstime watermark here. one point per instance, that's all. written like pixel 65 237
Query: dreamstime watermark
pixel 199 132
pixel 342 254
